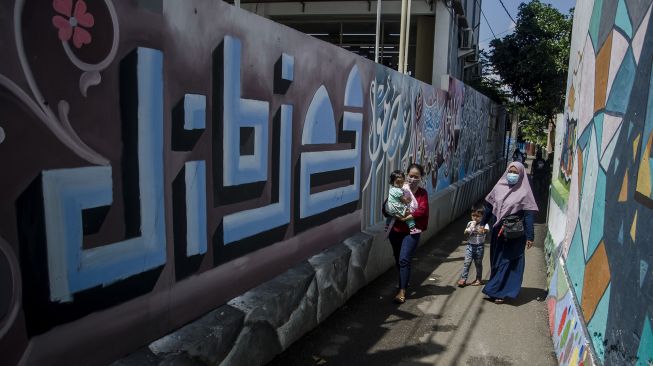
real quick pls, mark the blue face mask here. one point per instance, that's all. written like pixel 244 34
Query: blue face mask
pixel 512 178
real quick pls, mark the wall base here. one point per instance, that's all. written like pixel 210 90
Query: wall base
pixel 253 328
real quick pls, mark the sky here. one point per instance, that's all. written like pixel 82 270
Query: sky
pixel 501 23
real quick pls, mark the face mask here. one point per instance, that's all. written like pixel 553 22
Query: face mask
pixel 512 178
pixel 413 182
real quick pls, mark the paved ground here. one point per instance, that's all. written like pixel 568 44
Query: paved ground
pixel 439 324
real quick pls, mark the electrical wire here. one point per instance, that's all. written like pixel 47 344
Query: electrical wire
pixel 498 34
pixel 486 21
pixel 484 17
pixel 507 12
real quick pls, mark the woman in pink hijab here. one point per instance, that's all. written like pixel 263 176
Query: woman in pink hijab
pixel 510 210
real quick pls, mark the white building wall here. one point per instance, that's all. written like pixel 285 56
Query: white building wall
pixel 446 31
pixel 336 8
pixel 442 42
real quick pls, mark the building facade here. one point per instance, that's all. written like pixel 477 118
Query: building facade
pixel 443 34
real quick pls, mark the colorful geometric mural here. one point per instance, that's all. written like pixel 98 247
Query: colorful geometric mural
pixel 567 153
pixel 608 145
pixel 556 220
pixel 160 158
pixel 569 339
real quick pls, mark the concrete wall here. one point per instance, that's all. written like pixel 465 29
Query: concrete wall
pixel 162 159
pixel 601 291
pixel 254 327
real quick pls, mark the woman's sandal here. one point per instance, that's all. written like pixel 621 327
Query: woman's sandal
pixel 476 283
pixel 461 283
pixel 399 299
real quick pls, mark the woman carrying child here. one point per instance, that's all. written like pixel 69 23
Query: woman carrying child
pixel 510 209
pixel 399 203
pixel 404 240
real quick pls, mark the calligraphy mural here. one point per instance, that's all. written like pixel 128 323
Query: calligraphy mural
pixel 445 131
pixel 608 162
pixel 161 158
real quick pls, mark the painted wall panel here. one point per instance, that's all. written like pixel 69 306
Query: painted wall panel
pixel 167 158
pixel 605 162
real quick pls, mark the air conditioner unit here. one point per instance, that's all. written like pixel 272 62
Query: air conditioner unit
pixel 472 58
pixel 466 38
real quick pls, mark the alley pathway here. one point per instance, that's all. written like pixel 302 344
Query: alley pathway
pixel 440 324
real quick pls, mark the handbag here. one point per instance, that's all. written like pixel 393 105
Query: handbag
pixel 513 227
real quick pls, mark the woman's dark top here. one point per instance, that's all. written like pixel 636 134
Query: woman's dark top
pixel 529 220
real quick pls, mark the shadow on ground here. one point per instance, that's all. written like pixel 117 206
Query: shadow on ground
pixel 371 330
pixel 527 295
pixel 368 316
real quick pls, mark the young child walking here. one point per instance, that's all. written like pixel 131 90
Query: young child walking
pixel 398 205
pixel 475 247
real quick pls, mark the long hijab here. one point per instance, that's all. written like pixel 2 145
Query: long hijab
pixel 507 200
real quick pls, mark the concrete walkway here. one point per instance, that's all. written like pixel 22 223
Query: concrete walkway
pixel 439 324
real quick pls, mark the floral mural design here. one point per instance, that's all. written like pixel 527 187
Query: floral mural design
pixel 73 23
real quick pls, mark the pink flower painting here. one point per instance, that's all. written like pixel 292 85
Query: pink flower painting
pixel 73 23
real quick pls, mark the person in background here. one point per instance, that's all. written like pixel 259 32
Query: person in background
pixel 518 156
pixel 539 172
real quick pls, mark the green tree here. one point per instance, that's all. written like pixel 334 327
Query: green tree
pixel 533 60
pixel 488 82
pixel 534 127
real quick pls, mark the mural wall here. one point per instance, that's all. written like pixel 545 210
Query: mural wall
pixel 447 132
pixel 160 158
pixel 608 163
pixel 569 341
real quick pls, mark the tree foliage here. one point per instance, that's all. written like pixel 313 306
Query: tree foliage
pixel 533 60
pixel 533 127
pixel 488 83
